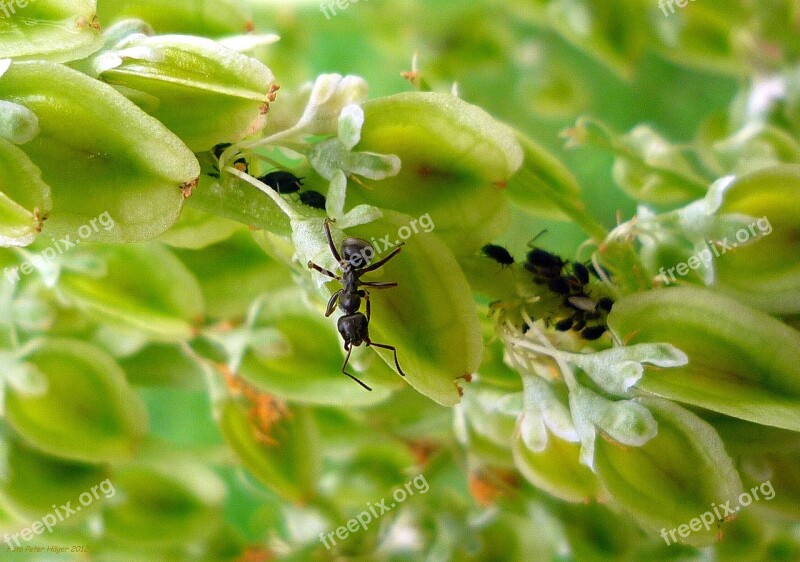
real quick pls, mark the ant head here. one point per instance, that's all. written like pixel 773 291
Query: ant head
pixel 356 251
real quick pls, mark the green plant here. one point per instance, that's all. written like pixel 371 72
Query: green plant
pixel 160 330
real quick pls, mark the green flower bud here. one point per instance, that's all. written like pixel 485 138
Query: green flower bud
pixel 142 287
pixel 598 533
pixel 162 365
pixel 608 36
pixel 203 92
pixel 85 409
pixel 367 471
pixel 197 229
pixel 163 505
pixel 647 167
pixel 289 462
pixel 33 481
pixel 210 18
pixel 55 30
pixel 430 316
pixel 233 273
pixel 25 199
pixel 134 173
pixel 480 447
pixel 299 357
pixel 743 364
pixel 491 414
pixel 753 148
pixel 18 124
pixel 455 159
pixel 703 37
pixel 773 481
pixel 760 267
pixel 557 469
pixel 675 477
pixel 545 187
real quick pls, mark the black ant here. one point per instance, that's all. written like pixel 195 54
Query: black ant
pixel 282 181
pixel 313 199
pixel 353 325
pixel 498 254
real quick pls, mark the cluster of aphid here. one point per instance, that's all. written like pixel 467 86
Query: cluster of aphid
pixel 568 280
pixel 282 181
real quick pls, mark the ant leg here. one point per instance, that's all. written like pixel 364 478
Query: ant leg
pixel 393 349
pixel 365 295
pixel 331 245
pixel 332 302
pixel 346 359
pixel 322 270
pixel 378 284
pixel 380 263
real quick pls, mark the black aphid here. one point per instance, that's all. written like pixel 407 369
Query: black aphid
pixel 313 199
pixel 498 254
pixel 283 181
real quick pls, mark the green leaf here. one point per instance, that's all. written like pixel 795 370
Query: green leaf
pixel 234 199
pixel 743 363
pixel 134 173
pixel 88 412
pixel 55 30
pixel 160 365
